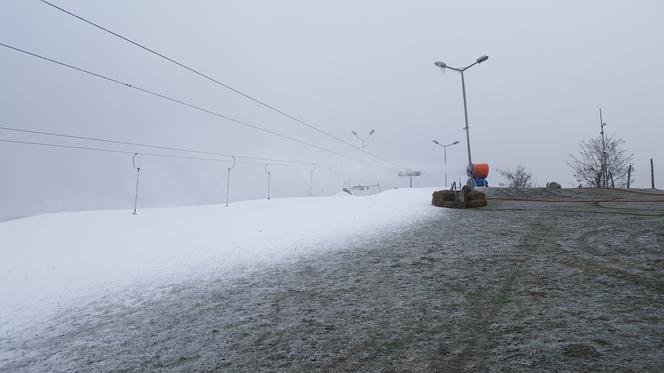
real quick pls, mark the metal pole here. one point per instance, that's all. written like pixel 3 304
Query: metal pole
pixel 311 180
pixel 228 181
pixel 445 153
pixel 268 181
pixel 629 176
pixel 228 184
pixel 465 112
pixel 652 174
pixel 138 172
pixel 363 140
pixel 443 65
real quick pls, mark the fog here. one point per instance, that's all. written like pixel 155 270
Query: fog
pixel 340 66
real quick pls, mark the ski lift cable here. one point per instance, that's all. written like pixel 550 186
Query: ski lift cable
pixel 116 151
pixel 172 148
pixel 208 77
pixel 184 103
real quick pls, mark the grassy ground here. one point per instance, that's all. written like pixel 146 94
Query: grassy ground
pixel 566 280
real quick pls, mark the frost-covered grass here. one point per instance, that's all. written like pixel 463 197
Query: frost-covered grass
pixel 516 286
pixel 49 262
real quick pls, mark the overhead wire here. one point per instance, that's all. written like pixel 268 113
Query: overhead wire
pixel 181 102
pixel 161 147
pixel 117 151
pixel 216 81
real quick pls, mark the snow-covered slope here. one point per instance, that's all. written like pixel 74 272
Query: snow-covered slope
pixel 50 260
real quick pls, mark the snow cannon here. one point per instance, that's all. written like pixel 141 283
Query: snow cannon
pixel 480 182
pixel 479 172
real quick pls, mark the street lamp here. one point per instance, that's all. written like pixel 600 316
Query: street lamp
pixel 445 153
pixel 443 65
pixel 363 140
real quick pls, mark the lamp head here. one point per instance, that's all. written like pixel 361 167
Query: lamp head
pixel 440 64
pixel 372 132
pixel 454 143
pixel 482 59
pixel 435 141
pixel 354 133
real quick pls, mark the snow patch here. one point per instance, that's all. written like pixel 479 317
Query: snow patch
pixel 49 261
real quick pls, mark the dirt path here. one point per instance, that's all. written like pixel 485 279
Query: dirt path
pixel 517 286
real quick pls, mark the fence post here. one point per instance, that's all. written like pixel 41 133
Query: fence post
pixel 268 181
pixel 629 176
pixel 138 173
pixel 311 178
pixel 228 180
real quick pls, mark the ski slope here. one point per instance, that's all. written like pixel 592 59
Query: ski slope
pixel 50 262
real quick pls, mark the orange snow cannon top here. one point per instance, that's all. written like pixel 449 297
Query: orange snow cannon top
pixel 480 170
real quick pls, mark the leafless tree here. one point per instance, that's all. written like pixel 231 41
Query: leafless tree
pixel 518 178
pixel 602 162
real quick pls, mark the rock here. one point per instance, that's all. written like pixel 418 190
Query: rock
pixel 553 185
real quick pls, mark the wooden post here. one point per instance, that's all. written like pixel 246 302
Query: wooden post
pixel 629 175
pixel 652 174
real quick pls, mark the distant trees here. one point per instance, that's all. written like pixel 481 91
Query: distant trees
pixel 518 178
pixel 602 162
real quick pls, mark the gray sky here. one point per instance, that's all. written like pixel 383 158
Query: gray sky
pixel 340 65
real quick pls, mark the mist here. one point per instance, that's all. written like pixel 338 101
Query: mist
pixel 342 66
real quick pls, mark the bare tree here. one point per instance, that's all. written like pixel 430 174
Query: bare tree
pixel 602 162
pixel 518 178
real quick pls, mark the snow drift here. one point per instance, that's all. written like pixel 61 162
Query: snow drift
pixel 49 261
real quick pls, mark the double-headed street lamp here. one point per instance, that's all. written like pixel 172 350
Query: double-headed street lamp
pixel 443 66
pixel 363 140
pixel 445 155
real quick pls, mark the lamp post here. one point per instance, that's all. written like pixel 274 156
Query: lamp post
pixel 445 155
pixel 443 66
pixel 363 140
